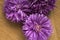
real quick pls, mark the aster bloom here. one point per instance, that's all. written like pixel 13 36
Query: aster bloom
pixel 13 10
pixel 42 6
pixel 37 27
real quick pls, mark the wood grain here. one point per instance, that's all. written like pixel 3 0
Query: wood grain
pixel 11 31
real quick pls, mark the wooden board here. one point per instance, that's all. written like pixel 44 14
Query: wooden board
pixel 11 31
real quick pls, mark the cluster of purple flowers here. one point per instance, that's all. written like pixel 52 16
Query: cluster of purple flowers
pixel 34 13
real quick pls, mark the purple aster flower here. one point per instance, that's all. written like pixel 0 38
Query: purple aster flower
pixel 37 27
pixel 13 10
pixel 42 6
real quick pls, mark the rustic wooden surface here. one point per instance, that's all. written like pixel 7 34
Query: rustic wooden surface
pixel 11 31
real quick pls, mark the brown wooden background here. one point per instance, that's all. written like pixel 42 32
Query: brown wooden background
pixel 11 31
